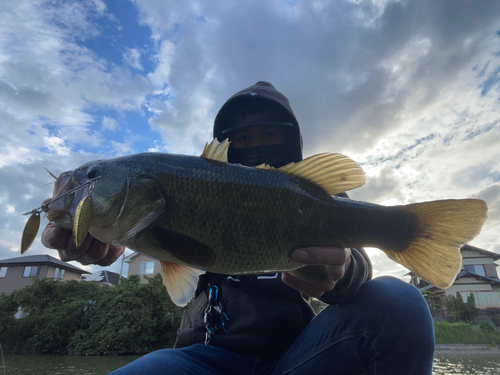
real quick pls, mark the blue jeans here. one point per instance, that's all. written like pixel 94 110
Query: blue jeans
pixel 384 328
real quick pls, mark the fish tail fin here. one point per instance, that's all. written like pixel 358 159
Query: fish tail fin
pixel 443 227
pixel 181 281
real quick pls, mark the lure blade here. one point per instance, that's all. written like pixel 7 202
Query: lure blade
pixel 30 231
pixel 83 219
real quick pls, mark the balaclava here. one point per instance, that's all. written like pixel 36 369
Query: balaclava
pixel 260 104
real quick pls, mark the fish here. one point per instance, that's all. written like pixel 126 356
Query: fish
pixel 202 214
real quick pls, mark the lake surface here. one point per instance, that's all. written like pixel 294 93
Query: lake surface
pixel 62 364
pixel 72 365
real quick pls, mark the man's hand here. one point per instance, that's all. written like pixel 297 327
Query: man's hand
pixel 336 259
pixel 92 250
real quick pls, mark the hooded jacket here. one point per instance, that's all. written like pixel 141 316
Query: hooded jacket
pixel 261 315
pixel 260 104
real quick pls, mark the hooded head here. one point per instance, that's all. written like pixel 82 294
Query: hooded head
pixel 260 105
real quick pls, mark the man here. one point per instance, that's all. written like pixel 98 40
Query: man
pixel 263 324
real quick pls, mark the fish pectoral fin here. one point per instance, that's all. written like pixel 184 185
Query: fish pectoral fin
pixel 443 227
pixel 181 281
pixel 216 150
pixel 334 173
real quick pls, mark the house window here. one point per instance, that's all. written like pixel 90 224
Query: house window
pixel 477 269
pixel 30 271
pixel 3 271
pixel 146 268
pixel 59 273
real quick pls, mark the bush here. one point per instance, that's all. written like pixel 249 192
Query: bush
pixel 496 320
pixel 84 318
pixel 464 333
pixel 486 326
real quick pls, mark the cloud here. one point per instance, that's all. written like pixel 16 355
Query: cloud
pixel 109 123
pixel 51 79
pixel 57 145
pixel 132 57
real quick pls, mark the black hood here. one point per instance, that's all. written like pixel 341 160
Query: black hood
pixel 256 105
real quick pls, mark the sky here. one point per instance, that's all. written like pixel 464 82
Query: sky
pixel 408 89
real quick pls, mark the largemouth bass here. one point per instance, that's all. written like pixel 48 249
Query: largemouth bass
pixel 202 213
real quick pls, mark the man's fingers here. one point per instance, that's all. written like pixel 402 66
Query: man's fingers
pixel 54 237
pixel 310 289
pixel 71 252
pixel 92 251
pixel 333 256
pixel 112 255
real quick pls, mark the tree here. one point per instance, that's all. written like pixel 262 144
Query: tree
pixel 87 319
pixel 460 311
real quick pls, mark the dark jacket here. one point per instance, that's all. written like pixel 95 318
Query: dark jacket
pixel 264 316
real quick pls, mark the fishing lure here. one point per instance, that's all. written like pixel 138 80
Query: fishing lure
pixel 83 218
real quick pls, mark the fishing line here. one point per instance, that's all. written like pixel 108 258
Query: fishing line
pixel 44 207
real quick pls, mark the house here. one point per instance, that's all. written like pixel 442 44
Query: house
pixel 17 273
pixel 142 265
pixel 103 278
pixel 478 276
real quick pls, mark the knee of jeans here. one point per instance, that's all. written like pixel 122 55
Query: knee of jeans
pixel 406 315
pixel 398 302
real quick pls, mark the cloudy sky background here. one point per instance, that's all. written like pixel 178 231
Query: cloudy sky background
pixel 409 89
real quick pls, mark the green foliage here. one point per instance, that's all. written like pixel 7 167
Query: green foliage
pixel 433 300
pixel 430 295
pixel 496 320
pixel 460 311
pixel 486 326
pixel 463 333
pixel 84 318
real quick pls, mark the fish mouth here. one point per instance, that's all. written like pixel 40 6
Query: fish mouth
pixel 60 210
pixel 58 217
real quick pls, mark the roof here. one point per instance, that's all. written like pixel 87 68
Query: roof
pixel 465 273
pixel 41 259
pixel 103 277
pixel 492 254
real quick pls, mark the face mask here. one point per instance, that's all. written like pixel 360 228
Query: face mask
pixel 274 155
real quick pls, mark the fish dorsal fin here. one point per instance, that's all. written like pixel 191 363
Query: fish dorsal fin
pixel 265 167
pixel 181 281
pixel 216 150
pixel 334 173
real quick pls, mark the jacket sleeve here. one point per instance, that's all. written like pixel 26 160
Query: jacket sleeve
pixel 359 272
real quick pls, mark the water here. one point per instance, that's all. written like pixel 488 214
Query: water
pixel 471 365
pixel 62 364
pixel 72 365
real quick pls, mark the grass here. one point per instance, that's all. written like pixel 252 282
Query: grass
pixel 463 333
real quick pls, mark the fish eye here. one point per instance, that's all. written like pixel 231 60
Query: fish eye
pixel 92 173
